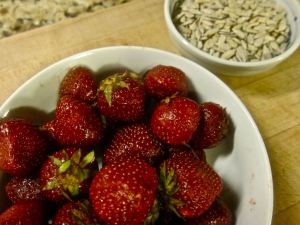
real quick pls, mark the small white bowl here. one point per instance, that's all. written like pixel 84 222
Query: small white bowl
pixel 241 159
pixel 226 67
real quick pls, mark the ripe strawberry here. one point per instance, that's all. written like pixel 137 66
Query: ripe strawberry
pixel 67 174
pixel 164 81
pixel 124 192
pixel 134 140
pixel 80 83
pixel 24 213
pixel 20 189
pixel 121 97
pixel 199 153
pixel 217 214
pixel 189 185
pixel 22 147
pixel 75 124
pixel 213 126
pixel 75 213
pixel 174 120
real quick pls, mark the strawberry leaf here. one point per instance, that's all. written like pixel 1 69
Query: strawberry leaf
pixel 76 156
pixel 89 158
pixel 65 166
pixel 108 94
pixel 51 185
pixel 55 161
pixel 153 215
pixel 66 196
pixel 73 189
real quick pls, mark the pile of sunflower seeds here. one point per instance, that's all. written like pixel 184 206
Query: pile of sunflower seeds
pixel 237 30
pixel 19 15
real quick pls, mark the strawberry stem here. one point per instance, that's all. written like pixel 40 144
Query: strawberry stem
pixel 168 186
pixel 153 215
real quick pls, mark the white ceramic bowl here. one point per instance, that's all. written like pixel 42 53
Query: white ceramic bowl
pixel 226 67
pixel 241 159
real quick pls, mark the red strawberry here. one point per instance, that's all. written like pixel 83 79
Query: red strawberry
pixel 75 124
pixel 67 174
pixel 217 214
pixel 80 83
pixel 75 213
pixel 134 140
pixel 22 147
pixel 190 185
pixel 23 213
pixel 20 189
pixel 163 81
pixel 121 97
pixel 175 119
pixel 178 148
pixel 124 192
pixel 213 126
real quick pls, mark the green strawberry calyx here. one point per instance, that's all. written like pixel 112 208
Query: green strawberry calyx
pixel 169 186
pixel 153 215
pixel 71 172
pixel 115 81
pixel 168 99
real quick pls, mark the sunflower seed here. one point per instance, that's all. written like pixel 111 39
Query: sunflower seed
pixel 18 15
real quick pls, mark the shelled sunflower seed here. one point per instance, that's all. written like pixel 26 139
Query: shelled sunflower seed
pixel 18 15
pixel 237 30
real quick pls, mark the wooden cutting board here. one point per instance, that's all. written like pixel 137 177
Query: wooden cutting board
pixel 272 97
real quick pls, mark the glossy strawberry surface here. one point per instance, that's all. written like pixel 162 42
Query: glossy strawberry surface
pixel 22 147
pixel 75 124
pixel 24 213
pixel 75 213
pixel 80 83
pixel 121 97
pixel 124 192
pixel 134 140
pixel 190 184
pixel 174 120
pixel 22 188
pixel 213 126
pixel 164 81
pixel 217 214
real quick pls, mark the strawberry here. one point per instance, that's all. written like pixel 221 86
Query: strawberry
pixel 124 192
pixel 67 174
pixel 189 184
pixel 24 213
pixel 75 213
pixel 178 148
pixel 164 81
pixel 75 124
pixel 217 214
pixel 121 97
pixel 80 83
pixel 20 189
pixel 22 147
pixel 134 140
pixel 213 126
pixel 174 120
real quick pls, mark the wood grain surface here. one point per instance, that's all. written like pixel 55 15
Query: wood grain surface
pixel 273 97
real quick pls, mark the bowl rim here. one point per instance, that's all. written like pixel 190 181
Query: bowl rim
pixel 66 60
pixel 199 53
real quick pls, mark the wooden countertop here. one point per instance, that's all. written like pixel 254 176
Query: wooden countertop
pixel 273 97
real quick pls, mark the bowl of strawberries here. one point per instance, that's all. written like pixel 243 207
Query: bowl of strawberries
pixel 130 135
